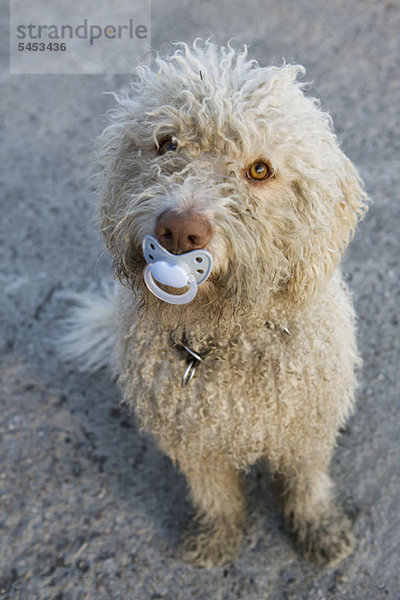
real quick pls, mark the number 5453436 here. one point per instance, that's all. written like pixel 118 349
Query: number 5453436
pixel 42 46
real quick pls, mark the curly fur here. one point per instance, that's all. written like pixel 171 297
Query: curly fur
pixel 261 392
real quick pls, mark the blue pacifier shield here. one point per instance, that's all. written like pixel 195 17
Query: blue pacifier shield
pixel 174 270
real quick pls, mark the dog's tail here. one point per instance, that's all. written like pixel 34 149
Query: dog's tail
pixel 89 330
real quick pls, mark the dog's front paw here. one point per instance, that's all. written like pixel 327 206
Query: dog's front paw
pixel 327 541
pixel 211 545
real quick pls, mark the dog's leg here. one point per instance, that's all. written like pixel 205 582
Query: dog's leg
pixel 214 535
pixel 321 531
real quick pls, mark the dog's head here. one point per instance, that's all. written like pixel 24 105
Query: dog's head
pixel 213 151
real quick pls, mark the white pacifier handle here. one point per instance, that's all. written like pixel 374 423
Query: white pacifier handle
pixel 175 270
pixel 184 298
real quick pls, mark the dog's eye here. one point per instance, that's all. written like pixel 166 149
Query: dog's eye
pixel 167 145
pixel 259 171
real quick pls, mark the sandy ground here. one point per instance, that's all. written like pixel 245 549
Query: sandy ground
pixel 89 508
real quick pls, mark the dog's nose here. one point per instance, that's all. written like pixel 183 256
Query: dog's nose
pixel 180 232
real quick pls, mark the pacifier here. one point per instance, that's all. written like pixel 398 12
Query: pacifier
pixel 175 270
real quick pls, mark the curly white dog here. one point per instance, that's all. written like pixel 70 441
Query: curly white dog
pixel 215 164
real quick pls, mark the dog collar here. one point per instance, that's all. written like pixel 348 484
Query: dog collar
pixel 194 359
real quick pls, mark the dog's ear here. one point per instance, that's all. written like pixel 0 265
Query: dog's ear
pixel 117 149
pixel 329 205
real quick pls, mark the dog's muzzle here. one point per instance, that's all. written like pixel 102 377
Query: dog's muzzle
pixel 174 270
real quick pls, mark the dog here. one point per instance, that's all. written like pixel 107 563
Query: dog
pixel 213 158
